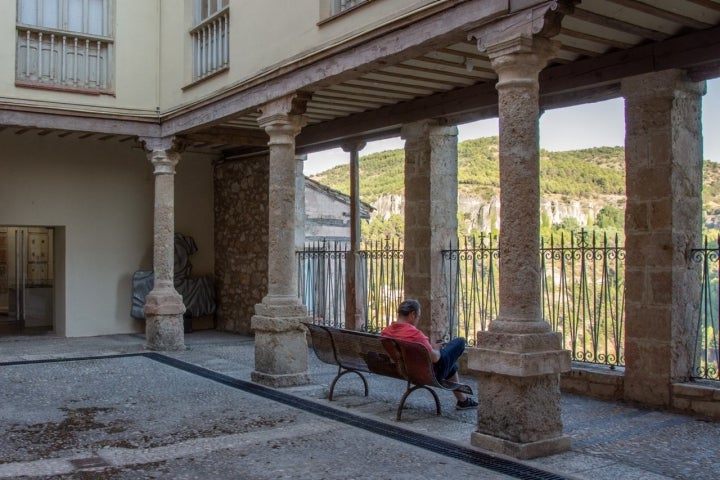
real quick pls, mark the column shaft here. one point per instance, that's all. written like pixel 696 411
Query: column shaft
pixel 282 265
pixel 519 359
pixel 280 344
pixel 430 218
pixel 663 222
pixel 164 306
pixel 354 288
pixel 299 202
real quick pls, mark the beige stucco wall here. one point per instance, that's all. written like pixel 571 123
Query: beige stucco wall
pixel 99 197
pixel 264 34
pixel 136 32
pixel 150 72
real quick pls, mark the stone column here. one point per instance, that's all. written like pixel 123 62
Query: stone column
pixel 164 306
pixel 299 202
pixel 355 288
pixel 280 346
pixel 519 359
pixel 430 218
pixel 663 222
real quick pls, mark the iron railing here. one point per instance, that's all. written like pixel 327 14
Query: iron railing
pixel 471 281
pixel 582 285
pixel 322 268
pixel 382 276
pixel 707 339
pixel 321 281
pixel 583 292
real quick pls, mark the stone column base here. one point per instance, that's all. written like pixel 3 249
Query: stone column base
pixel 164 324
pixel 164 332
pixel 281 349
pixel 519 393
pixel 280 380
pixel 521 451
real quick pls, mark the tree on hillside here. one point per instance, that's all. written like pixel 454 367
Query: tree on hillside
pixel 378 229
pixel 610 217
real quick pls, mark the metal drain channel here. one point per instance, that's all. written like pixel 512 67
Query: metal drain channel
pixel 448 449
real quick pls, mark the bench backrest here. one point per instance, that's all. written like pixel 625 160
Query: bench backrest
pixel 322 343
pixel 367 352
pixel 417 363
pixel 390 357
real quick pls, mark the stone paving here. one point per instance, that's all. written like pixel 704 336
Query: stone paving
pixel 102 408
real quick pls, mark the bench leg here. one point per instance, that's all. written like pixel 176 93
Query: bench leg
pixel 407 394
pixel 340 374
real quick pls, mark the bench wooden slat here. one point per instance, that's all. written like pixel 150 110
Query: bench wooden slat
pixel 365 352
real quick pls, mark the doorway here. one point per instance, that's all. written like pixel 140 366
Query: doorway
pixel 26 279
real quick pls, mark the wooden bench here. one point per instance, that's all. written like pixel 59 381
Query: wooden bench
pixel 360 352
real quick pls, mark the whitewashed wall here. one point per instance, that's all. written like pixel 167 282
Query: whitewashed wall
pixel 99 197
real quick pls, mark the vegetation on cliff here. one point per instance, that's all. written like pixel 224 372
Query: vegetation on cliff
pixel 595 175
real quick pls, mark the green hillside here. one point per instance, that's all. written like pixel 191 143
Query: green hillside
pixel 587 173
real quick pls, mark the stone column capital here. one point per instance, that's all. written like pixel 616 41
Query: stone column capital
pixel 353 146
pixel 166 144
pixel 519 59
pixel 520 46
pixel 542 20
pixel 283 118
pixel 426 128
pixel 282 128
pixel 163 153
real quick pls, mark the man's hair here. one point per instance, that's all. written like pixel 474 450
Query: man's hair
pixel 407 307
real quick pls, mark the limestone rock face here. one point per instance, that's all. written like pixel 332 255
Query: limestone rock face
pixel 483 214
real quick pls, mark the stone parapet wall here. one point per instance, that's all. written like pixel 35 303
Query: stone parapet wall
pixel 693 398
pixel 241 240
pixel 596 382
pixel 697 398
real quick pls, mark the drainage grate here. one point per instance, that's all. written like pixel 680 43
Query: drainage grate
pixel 70 359
pixel 448 449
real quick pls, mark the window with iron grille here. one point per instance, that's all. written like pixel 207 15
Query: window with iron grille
pixel 65 44
pixel 210 37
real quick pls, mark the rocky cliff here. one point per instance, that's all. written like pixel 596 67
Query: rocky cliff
pixel 484 214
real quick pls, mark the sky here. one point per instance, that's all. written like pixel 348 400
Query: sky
pixel 600 124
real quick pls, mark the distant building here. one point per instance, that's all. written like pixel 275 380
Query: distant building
pixel 327 213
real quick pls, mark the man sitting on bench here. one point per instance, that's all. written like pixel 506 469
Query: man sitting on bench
pixel 444 360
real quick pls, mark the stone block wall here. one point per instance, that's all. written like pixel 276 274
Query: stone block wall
pixel 697 398
pixel 691 398
pixel 241 240
pixel 592 382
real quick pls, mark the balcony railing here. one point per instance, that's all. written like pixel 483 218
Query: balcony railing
pixel 582 285
pixel 321 281
pixel 64 60
pixel 322 277
pixel 211 45
pixel 707 335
